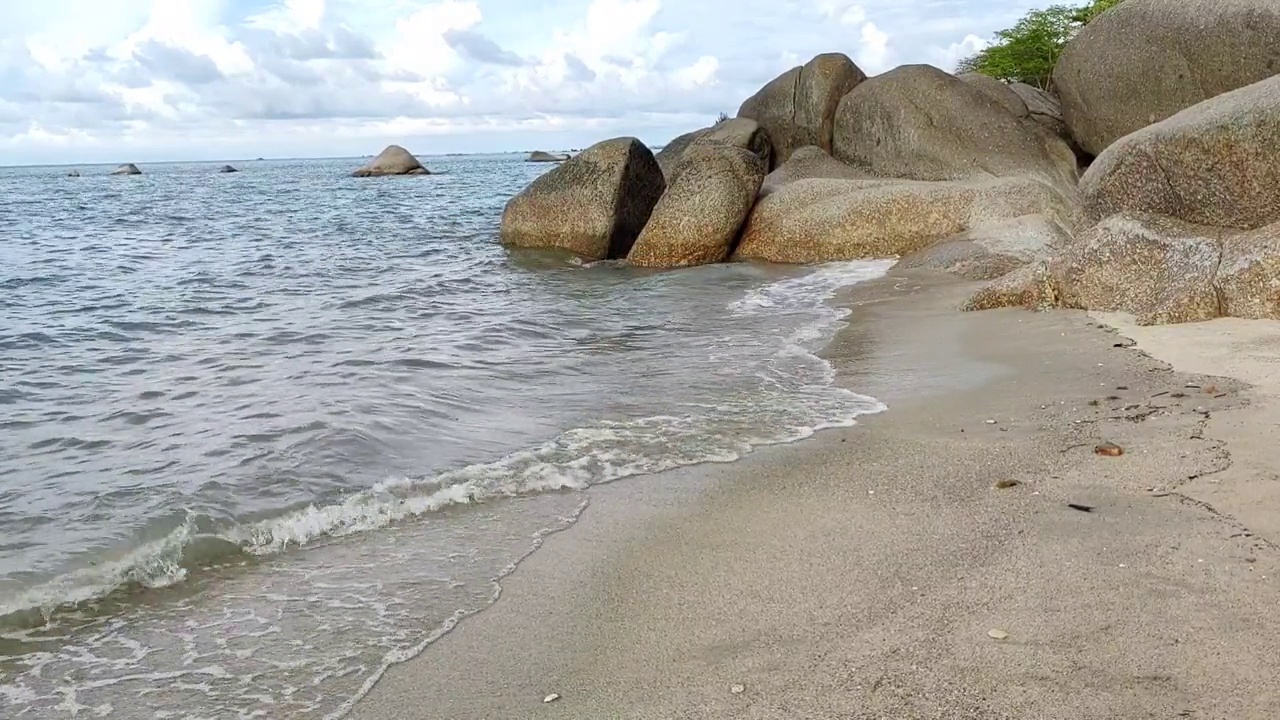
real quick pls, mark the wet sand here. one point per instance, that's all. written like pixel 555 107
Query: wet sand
pixel 863 573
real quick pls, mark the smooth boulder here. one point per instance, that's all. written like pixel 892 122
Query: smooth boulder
pixel 734 132
pixel 811 162
pixel 993 250
pixel 698 218
pixel 227 169
pixel 798 107
pixel 1044 108
pixel 921 123
pixel 821 220
pixel 538 156
pixel 999 91
pixel 1211 164
pixel 593 205
pixel 394 160
pixel 1145 60
pixel 127 169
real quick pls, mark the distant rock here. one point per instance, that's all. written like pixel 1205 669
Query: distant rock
pixel 1001 92
pixel 227 169
pixel 713 187
pixel 820 220
pixel 921 123
pixel 74 173
pixel 798 107
pixel 394 160
pixel 1144 60
pixel 539 156
pixel 735 132
pixel 127 169
pixel 593 205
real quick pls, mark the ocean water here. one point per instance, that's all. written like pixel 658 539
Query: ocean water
pixel 264 434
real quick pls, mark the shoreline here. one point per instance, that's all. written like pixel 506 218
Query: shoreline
pixel 879 557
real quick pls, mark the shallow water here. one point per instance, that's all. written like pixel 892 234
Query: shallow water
pixel 263 433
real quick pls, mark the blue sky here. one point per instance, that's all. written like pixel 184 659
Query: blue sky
pixel 149 80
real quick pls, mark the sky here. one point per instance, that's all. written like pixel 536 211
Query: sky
pixel 150 80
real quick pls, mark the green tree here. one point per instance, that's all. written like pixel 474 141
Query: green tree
pixel 1028 51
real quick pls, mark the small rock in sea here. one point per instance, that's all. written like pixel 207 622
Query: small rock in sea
pixel 1006 484
pixel 227 169
pixel 997 634
pixel 551 698
pixel 738 689
pixel 1108 449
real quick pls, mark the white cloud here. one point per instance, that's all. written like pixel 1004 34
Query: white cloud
pixel 92 79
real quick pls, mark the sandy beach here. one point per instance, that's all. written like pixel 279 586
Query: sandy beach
pixel 882 571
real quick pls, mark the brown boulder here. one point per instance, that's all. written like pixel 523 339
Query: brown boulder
pixel 798 107
pixel 819 220
pixel 712 189
pixel 1158 269
pixel 921 123
pixel 1211 164
pixel 594 204
pixel 1029 286
pixel 394 160
pixel 811 162
pixel 993 250
pixel 1144 60
pixel 735 132
pixel 1249 274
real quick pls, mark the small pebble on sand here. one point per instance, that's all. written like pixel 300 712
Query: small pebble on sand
pixel 551 698
pixel 738 689
pixel 1108 449
pixel 997 634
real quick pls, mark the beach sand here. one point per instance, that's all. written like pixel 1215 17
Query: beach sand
pixel 863 573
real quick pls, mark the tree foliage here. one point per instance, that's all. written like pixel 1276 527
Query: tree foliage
pixel 1028 51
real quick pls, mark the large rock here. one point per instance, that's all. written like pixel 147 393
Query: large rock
pixel 820 220
pixel 1045 109
pixel 1030 286
pixel 701 212
pixel 993 250
pixel 1145 60
pixel 1249 274
pixel 1001 92
pixel 1160 270
pixel 127 169
pixel 394 160
pixel 798 107
pixel 593 205
pixel 921 123
pixel 734 132
pixel 1211 164
pixel 811 162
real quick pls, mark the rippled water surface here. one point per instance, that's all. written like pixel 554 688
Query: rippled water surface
pixel 264 433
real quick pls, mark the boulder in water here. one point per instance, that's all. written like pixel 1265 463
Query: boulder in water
pixel 593 205
pixel 698 218
pixel 227 169
pixel 127 169
pixel 734 132
pixel 394 160
pixel 539 156
pixel 74 173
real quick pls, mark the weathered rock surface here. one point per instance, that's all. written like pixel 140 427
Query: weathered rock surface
pixel 394 160
pixel 1001 92
pixel 227 169
pixel 1249 274
pixel 540 156
pixel 713 188
pixel 798 107
pixel 127 169
pixel 734 132
pixel 921 123
pixel 1029 286
pixel 820 220
pixel 1211 164
pixel 1145 60
pixel 992 251
pixel 811 162
pixel 593 205
pixel 1045 109
pixel 1159 269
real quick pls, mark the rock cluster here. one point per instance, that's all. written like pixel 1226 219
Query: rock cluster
pixel 1144 181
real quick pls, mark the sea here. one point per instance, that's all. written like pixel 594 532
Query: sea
pixel 265 434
